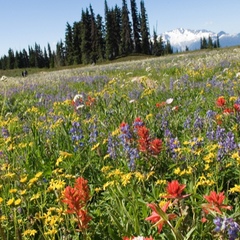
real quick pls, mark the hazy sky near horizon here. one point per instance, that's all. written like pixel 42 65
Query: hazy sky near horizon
pixel 26 22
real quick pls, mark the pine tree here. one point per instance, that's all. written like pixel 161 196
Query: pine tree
pixel 86 45
pixel 218 42
pixel 144 29
pixel 51 57
pixel 136 27
pixel 69 44
pixel 46 59
pixel 109 32
pixel 77 42
pixel 126 32
pixel 168 48
pixel 94 38
pixel 11 59
pixel 210 42
pixel 60 55
pixel 204 43
pixel 100 36
pixel 25 59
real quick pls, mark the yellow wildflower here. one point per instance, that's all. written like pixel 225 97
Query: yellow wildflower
pixel 17 202
pixel 115 172
pixel 1 200
pixel 126 178
pixel 235 189
pixel 9 175
pixel 10 202
pixel 59 160
pixel 139 176
pixel 150 174
pixel 116 132
pixel 22 192
pixel 56 184
pixel 32 181
pixel 13 190
pixel 95 146
pixel 23 179
pixel 111 183
pixel 177 171
pixel 39 174
pixel 29 232
pixel 3 218
pixel 161 182
pixel 149 116
pixel 105 169
pixel 106 156
pixel 35 196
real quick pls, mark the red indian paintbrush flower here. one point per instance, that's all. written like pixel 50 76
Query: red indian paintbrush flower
pixel 76 199
pixel 221 102
pixel 155 146
pixel 174 190
pixel 156 218
pixel 215 203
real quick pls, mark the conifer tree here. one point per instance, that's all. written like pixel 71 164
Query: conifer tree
pixel 218 42
pixel 136 27
pixel 210 42
pixel 126 32
pixel 46 59
pixel 50 56
pixel 94 37
pixel 77 42
pixel 25 59
pixel 11 59
pixel 109 32
pixel 60 54
pixel 100 37
pixel 144 29
pixel 204 43
pixel 86 45
pixel 69 44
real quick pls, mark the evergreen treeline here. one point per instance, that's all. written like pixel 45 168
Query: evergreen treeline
pixel 208 43
pixel 95 38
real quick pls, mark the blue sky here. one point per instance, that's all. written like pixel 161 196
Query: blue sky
pixel 24 22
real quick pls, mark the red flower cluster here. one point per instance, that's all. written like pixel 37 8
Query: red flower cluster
pixel 76 199
pixel 156 218
pixel 215 203
pixel 174 190
pixel 146 143
pixel 222 103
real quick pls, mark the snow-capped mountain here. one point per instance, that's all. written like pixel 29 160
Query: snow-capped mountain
pixel 181 38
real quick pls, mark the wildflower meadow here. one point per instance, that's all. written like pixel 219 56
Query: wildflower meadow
pixel 145 149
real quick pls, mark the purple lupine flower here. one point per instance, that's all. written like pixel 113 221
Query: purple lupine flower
pixel 77 135
pixel 227 226
pixel 5 132
pixel 125 137
pixel 94 133
pixel 220 133
pixel 198 123
pixel 187 123
pixel 210 114
pixel 172 145
pixel 111 147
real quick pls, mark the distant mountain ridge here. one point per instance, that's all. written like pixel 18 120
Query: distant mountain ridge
pixel 181 38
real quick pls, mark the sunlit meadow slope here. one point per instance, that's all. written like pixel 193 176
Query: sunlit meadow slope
pixel 146 149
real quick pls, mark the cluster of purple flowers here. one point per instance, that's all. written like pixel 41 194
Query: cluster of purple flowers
pixel 77 135
pixel 125 139
pixel 227 226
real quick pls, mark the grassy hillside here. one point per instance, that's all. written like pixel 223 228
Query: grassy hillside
pixel 144 148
